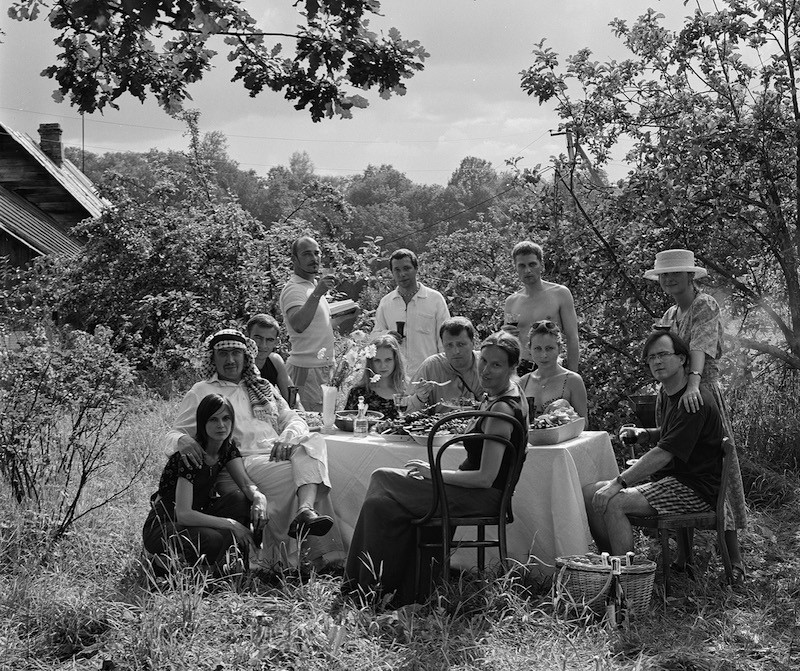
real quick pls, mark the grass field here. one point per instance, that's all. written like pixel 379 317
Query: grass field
pixel 86 603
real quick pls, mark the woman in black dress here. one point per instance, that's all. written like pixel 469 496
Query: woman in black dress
pixel 381 556
pixel 187 517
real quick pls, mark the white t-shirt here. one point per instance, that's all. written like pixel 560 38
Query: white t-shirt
pixel 317 335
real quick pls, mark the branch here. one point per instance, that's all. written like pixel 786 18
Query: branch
pixel 772 350
pixel 609 250
pixel 757 299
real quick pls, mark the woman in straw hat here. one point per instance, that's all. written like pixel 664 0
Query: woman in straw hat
pixel 696 319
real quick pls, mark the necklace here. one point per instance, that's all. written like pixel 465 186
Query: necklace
pixel 543 382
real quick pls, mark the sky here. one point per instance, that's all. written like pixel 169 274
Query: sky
pixel 467 101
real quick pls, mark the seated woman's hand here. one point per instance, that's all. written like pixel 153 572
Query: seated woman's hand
pixel 421 470
pixel 282 451
pixel 190 451
pixel 243 535
pixel 258 511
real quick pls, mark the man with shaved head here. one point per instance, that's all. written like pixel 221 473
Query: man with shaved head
pixel 308 322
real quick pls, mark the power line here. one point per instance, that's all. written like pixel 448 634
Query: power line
pixel 270 137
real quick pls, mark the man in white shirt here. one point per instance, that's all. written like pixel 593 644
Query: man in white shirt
pixel 280 455
pixel 309 323
pixel 452 375
pixel 412 313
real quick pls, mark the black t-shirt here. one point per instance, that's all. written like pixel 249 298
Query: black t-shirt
pixel 695 441
pixel 269 372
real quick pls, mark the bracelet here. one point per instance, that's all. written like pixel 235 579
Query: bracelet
pixel 621 481
pixel 695 372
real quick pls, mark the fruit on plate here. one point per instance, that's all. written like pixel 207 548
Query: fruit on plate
pixel 557 413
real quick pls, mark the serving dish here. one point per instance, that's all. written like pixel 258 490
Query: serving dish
pixel 438 441
pixel 344 419
pixel 556 434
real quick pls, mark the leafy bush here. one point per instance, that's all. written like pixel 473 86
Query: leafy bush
pixel 62 404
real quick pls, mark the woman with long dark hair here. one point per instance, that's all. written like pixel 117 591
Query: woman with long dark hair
pixel 187 516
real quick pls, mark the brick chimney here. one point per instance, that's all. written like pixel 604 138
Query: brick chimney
pixel 50 142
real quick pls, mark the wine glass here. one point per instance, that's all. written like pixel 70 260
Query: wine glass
pixel 401 403
pixel 627 433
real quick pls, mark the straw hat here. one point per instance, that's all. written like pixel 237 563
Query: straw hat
pixel 675 261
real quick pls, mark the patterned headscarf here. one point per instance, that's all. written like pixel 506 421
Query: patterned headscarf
pixel 259 391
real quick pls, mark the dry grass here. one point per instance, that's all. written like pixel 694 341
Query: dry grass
pixel 89 602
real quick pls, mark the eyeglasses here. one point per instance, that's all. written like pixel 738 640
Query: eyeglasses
pixel 658 356
pixel 545 325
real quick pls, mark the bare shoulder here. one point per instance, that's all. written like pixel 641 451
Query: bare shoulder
pixel 276 359
pixel 514 298
pixel 557 289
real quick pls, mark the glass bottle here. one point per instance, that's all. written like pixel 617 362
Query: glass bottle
pixel 361 423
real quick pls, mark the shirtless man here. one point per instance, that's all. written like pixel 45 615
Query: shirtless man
pixel 539 300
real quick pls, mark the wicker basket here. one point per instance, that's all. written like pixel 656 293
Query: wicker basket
pixel 584 581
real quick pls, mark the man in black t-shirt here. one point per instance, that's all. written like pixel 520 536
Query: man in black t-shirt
pixel 680 474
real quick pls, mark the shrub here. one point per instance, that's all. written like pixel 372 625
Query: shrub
pixel 62 404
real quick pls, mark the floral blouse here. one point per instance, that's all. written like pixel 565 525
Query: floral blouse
pixel 373 400
pixel 202 478
pixel 701 328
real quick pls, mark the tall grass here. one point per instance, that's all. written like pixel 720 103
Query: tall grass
pixel 765 413
pixel 93 599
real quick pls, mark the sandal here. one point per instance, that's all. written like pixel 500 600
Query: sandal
pixel 309 522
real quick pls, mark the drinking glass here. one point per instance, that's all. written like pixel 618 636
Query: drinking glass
pixel 401 403
pixel 512 318
pixel 628 437
pixel 531 409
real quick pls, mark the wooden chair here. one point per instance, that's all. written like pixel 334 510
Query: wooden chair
pixel 682 523
pixel 439 515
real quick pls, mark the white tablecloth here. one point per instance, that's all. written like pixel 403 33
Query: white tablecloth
pixel 549 517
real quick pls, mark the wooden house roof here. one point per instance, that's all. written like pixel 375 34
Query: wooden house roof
pixel 62 192
pixel 32 228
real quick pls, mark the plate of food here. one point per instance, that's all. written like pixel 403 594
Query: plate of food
pixel 557 424
pixel 419 429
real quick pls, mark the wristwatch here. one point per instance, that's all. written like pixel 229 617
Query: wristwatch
pixel 621 481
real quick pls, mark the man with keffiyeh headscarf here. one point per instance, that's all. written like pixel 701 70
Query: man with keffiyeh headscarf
pixel 280 454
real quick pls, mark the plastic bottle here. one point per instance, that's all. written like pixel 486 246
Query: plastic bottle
pixel 360 423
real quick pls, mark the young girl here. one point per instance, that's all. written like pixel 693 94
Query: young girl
pixel 388 364
pixel 551 381
pixel 186 515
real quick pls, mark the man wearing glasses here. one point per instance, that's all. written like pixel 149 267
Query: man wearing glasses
pixel 536 301
pixel 681 473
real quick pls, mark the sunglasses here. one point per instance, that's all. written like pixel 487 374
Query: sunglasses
pixel 545 325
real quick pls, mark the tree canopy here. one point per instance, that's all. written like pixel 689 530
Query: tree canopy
pixel 160 47
pixel 710 117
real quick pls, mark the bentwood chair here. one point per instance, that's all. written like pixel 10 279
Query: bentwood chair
pixel 438 516
pixel 682 523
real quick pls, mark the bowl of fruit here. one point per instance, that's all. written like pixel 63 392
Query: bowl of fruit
pixel 557 424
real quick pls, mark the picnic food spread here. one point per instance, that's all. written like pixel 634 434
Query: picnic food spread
pixel 557 413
